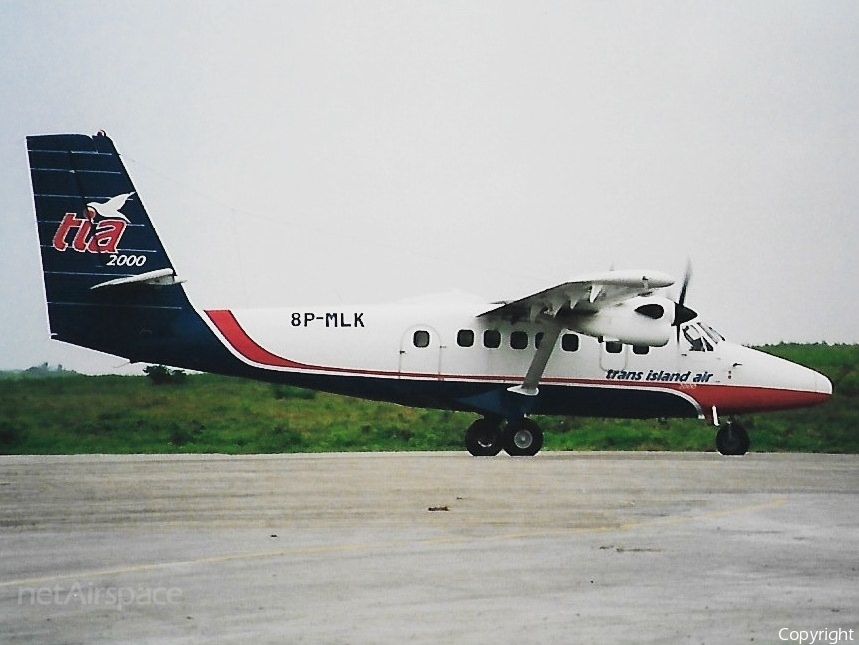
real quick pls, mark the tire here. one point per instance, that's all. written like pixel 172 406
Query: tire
pixel 483 438
pixel 732 439
pixel 523 438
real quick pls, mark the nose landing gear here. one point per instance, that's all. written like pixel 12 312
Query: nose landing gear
pixel 732 439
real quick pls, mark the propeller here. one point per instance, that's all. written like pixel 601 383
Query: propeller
pixel 682 313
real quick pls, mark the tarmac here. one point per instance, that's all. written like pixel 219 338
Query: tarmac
pixel 429 548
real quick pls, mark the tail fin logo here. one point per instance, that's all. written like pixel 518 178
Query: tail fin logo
pixel 98 230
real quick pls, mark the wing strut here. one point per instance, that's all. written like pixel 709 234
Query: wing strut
pixel 530 385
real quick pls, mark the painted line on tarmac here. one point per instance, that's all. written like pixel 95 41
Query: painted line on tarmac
pixel 349 548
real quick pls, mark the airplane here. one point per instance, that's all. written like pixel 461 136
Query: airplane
pixel 607 344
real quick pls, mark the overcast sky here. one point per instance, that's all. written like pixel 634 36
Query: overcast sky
pixel 334 152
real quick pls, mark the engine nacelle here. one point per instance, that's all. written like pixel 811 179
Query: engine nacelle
pixel 639 321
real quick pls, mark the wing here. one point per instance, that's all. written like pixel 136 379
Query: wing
pixel 584 294
pixel 588 304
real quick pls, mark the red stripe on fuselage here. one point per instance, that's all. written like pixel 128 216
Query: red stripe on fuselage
pixel 737 399
pixel 227 324
pixel 239 339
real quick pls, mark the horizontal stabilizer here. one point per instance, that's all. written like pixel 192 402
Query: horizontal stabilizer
pixel 158 278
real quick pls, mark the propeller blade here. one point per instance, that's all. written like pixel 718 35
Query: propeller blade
pixel 682 313
pixel 687 277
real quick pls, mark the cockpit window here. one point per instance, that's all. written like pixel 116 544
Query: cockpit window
pixel 715 336
pixel 693 336
pixel 697 341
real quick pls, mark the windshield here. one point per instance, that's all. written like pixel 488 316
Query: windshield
pixel 712 333
pixel 701 337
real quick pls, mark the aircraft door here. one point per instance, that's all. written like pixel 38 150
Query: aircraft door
pixel 613 355
pixel 420 352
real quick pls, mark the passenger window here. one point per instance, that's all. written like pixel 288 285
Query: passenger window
pixel 570 343
pixel 613 346
pixel 519 340
pixel 538 339
pixel 465 338
pixel 421 338
pixel 492 338
pixel 641 350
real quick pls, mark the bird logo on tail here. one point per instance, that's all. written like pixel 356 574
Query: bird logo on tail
pixel 109 209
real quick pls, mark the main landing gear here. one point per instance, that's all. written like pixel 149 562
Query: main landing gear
pixel 732 439
pixel 519 438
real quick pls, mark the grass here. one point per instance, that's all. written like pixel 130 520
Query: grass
pixel 208 413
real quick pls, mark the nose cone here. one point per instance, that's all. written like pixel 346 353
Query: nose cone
pixel 800 386
pixel 822 385
pixel 771 383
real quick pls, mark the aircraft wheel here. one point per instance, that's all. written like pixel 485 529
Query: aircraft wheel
pixel 483 438
pixel 732 439
pixel 523 438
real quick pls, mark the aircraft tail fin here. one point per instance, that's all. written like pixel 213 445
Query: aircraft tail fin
pixel 109 283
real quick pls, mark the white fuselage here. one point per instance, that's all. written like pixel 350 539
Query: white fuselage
pixel 448 344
